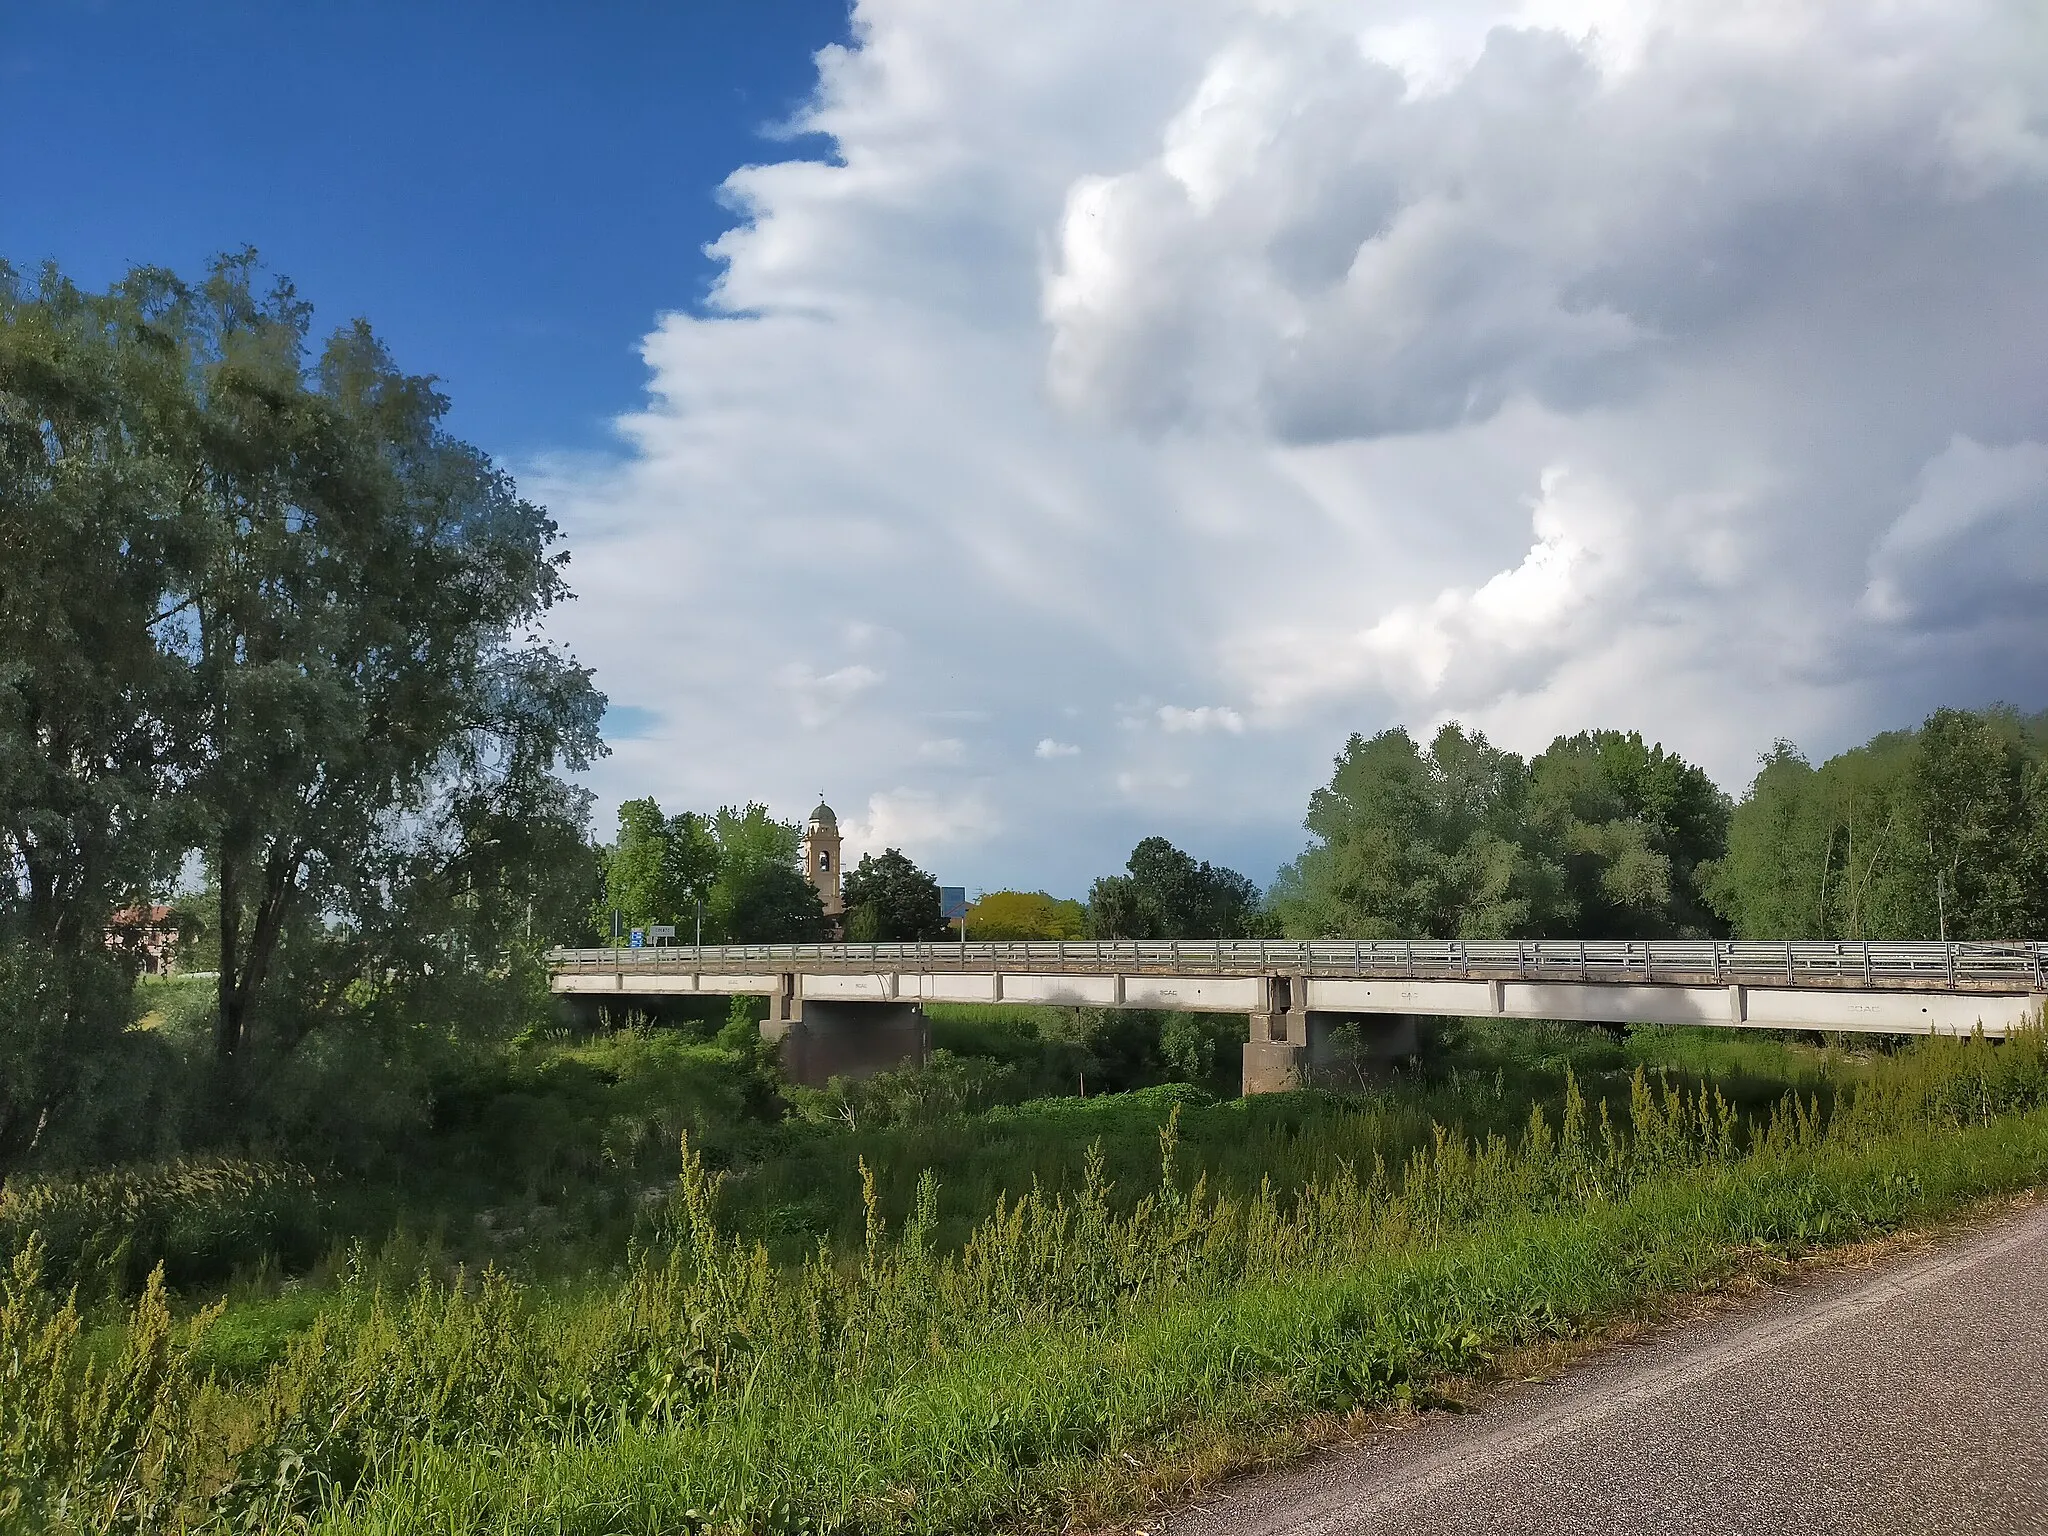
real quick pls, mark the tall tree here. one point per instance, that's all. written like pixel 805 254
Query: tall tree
pixel 890 900
pixel 92 710
pixel 362 600
pixel 760 895
pixel 1165 893
pixel 1631 824
pixel 1943 828
pixel 348 708
pixel 1422 844
pixel 659 868
pixel 690 865
pixel 1981 798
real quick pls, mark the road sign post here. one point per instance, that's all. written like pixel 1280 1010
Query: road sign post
pixel 953 907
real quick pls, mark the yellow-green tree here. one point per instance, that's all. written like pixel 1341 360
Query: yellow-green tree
pixel 1013 915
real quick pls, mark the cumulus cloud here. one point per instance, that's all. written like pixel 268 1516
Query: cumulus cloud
pixel 929 827
pixel 1048 748
pixel 1552 363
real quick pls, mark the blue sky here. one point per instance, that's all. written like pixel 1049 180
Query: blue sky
pixel 1094 412
pixel 511 191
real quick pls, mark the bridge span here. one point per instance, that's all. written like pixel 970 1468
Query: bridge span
pixel 853 1008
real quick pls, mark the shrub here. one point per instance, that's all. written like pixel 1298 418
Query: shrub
pixel 196 1222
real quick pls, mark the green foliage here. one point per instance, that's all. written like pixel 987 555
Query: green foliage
pixel 63 1013
pixel 946 1087
pixel 1979 786
pixel 1631 824
pixel 196 1223
pixel 1060 1051
pixel 1914 832
pixel 562 1118
pixel 91 1445
pixel 760 895
pixel 928 1385
pixel 1166 894
pixel 1602 836
pixel 1415 844
pixel 741 863
pixel 890 900
pixel 259 606
pixel 1002 916
pixel 658 870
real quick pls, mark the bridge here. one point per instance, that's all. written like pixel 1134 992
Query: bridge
pixel 846 1009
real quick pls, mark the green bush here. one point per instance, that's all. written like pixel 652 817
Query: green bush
pixel 196 1221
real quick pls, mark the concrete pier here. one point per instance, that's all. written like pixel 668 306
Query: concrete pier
pixel 1293 1046
pixel 822 1039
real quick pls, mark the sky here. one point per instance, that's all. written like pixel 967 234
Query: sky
pixel 1038 426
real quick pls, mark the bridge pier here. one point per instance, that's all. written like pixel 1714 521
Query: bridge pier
pixel 1294 1047
pixel 821 1040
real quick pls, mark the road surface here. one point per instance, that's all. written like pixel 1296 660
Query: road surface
pixel 1907 1396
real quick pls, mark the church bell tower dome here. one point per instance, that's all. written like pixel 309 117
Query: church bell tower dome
pixel 821 857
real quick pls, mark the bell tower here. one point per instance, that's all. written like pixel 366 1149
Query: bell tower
pixel 821 859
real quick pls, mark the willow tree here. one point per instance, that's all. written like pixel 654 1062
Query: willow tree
pixel 328 679
pixel 94 713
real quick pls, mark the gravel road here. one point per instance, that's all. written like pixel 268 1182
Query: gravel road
pixel 1907 1396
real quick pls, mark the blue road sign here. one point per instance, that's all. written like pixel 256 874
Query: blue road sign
pixel 638 940
pixel 952 902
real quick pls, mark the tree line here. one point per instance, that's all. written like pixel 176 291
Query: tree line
pixel 1919 834
pixel 1936 832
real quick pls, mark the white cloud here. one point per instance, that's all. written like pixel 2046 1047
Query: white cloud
pixel 1549 363
pixel 1482 639
pixel 1048 748
pixel 924 825
pixel 821 698
pixel 1204 717
pixel 947 750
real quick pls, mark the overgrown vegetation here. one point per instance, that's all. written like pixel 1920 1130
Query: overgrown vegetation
pixel 912 1383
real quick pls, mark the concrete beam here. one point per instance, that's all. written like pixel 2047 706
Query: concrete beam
pixel 1868 1011
pixel 663 984
pixel 1273 1002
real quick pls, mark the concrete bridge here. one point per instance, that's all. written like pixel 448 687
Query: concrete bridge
pixel 847 1009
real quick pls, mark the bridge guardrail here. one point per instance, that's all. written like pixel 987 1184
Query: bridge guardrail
pixel 2001 966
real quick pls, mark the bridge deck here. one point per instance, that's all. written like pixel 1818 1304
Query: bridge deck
pixel 1972 968
pixel 1295 993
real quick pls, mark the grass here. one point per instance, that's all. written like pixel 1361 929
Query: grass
pixel 1022 1375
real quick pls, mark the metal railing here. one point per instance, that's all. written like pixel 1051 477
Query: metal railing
pixel 2004 966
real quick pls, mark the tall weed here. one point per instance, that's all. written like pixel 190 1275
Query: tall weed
pixel 916 1383
pixel 198 1220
